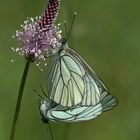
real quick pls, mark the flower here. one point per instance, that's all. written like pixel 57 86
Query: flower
pixel 39 38
pixel 37 43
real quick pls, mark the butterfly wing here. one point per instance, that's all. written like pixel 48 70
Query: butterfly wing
pixel 72 81
pixel 95 89
pixel 81 113
pixel 76 114
pixel 108 101
pixel 65 81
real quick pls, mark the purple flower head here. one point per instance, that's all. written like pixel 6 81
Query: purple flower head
pixel 39 38
pixel 50 14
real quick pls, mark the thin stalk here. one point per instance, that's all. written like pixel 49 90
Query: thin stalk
pixel 19 99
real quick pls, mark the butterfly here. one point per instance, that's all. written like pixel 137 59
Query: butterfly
pixel 50 110
pixel 71 81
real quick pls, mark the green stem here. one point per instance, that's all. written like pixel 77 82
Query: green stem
pixel 19 99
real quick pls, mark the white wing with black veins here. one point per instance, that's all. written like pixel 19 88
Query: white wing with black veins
pixel 72 81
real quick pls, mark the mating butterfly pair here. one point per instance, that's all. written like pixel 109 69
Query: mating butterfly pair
pixel 75 91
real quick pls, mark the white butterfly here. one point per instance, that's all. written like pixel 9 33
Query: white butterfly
pixel 51 111
pixel 71 81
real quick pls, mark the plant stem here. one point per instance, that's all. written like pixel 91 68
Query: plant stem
pixel 19 99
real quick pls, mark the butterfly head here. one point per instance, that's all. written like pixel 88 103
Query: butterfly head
pixel 63 47
pixel 45 106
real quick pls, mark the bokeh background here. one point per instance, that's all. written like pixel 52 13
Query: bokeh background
pixel 107 34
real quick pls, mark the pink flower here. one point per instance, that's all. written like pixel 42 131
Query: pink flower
pixel 39 38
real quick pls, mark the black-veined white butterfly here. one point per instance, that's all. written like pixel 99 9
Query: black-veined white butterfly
pixel 71 81
pixel 51 111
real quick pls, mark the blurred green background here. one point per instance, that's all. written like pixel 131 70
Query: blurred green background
pixel 107 35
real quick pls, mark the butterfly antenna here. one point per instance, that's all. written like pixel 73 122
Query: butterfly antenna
pixel 36 92
pixel 68 34
pixel 66 30
pixel 39 105
pixel 43 91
